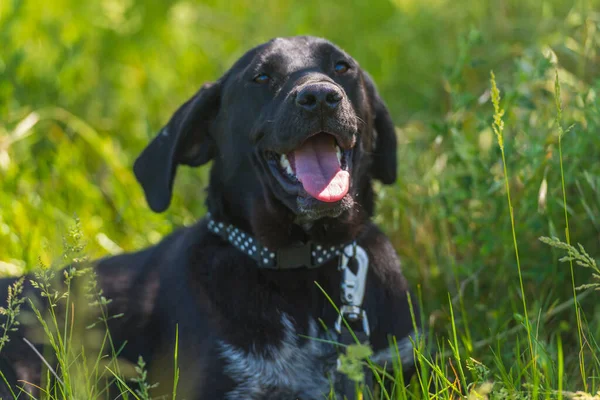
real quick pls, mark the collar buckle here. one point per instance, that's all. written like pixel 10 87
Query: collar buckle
pixel 295 256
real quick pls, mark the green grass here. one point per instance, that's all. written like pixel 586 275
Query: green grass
pixel 498 128
pixel 84 85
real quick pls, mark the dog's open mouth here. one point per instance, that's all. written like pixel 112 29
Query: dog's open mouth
pixel 319 165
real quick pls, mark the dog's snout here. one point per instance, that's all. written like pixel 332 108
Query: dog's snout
pixel 319 96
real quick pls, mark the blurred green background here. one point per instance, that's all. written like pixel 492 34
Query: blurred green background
pixel 84 85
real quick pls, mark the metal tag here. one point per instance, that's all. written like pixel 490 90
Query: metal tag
pixel 353 286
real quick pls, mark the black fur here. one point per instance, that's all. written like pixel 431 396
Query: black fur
pixel 214 293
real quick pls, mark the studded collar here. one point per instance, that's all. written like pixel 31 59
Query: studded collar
pixel 306 255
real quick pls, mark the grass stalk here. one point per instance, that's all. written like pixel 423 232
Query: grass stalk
pixel 498 127
pixel 561 133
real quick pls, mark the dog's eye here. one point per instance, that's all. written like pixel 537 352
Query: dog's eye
pixel 341 67
pixel 262 78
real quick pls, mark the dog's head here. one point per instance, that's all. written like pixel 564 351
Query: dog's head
pixel 295 122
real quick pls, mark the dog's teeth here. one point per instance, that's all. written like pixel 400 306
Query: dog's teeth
pixel 338 153
pixel 285 164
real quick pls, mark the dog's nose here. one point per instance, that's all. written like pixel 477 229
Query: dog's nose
pixel 319 96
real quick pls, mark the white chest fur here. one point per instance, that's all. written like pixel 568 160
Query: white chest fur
pixel 291 369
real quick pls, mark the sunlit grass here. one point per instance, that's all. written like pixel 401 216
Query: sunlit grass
pixel 561 133
pixel 498 127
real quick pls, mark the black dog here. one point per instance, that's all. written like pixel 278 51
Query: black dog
pixel 296 132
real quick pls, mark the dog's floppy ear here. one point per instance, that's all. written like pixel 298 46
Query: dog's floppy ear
pixel 184 140
pixel 384 149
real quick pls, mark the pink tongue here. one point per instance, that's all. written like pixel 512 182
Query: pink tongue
pixel 318 169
